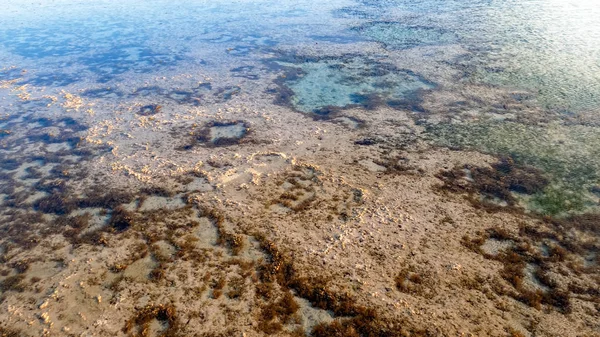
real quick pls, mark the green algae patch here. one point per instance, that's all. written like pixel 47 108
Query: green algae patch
pixel 568 155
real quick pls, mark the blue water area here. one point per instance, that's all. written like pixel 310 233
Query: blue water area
pixel 126 58
pixel 203 93
pixel 247 72
pixel 551 48
pixel 11 73
pixel 54 41
pixel 105 42
pixel 102 93
pixel 104 49
pixel 55 79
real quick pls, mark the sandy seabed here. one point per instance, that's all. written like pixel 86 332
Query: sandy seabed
pixel 216 208
pixel 160 226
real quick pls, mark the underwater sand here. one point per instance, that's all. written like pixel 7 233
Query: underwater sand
pixel 261 168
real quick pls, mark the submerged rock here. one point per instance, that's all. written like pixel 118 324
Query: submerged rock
pixel 222 133
pixel 150 110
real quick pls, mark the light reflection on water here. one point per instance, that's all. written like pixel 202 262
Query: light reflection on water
pixel 552 47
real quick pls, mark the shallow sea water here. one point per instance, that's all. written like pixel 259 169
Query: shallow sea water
pixel 113 112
